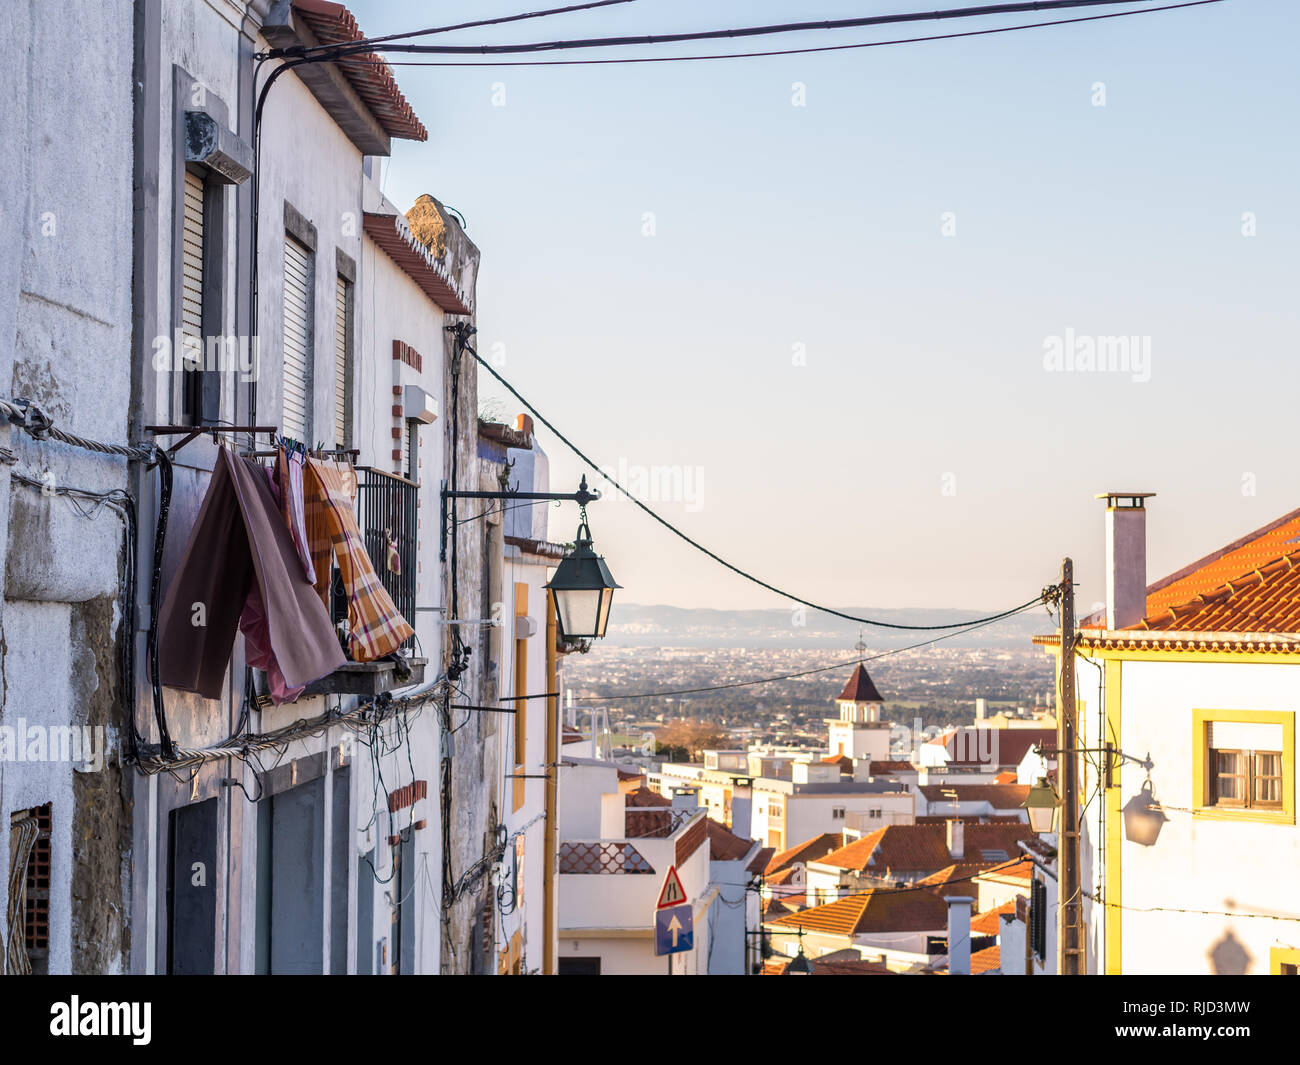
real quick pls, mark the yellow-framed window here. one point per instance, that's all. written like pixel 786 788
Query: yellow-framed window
pixel 1284 961
pixel 1243 765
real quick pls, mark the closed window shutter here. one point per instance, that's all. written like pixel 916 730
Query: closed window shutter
pixel 340 361
pixel 297 338
pixel 192 259
pixel 408 438
pixel 1245 736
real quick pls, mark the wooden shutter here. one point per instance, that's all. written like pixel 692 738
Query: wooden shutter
pixel 297 338
pixel 192 259
pixel 340 361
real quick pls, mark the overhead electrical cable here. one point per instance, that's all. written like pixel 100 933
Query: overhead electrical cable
pixel 363 47
pixel 799 51
pixel 370 42
pixel 784 676
pixel 1042 596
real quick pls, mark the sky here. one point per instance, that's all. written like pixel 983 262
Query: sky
pixel 832 313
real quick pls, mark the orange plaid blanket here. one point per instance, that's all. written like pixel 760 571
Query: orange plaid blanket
pixel 377 628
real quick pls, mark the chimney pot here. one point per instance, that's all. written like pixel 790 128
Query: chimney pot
pixel 956 837
pixel 1126 557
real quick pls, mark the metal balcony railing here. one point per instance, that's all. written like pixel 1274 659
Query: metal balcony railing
pixel 386 510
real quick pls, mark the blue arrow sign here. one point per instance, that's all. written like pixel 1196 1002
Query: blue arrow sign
pixel 674 929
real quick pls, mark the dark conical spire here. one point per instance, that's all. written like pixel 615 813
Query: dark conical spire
pixel 859 689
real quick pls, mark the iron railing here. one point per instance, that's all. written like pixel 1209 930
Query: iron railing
pixel 386 512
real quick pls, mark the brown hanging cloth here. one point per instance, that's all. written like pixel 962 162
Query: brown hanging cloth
pixel 239 537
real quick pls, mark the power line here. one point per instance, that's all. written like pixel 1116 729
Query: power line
pixel 801 51
pixel 784 676
pixel 1042 596
pixel 369 42
pixel 709 35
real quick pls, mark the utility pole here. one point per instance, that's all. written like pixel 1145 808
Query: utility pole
pixel 1069 941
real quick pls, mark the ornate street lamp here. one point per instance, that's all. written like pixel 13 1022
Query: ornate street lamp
pixel 1041 804
pixel 799 964
pixel 583 590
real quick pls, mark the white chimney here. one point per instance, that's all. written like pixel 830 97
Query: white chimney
pixel 1126 557
pixel 981 706
pixel 956 837
pixel 686 798
pixel 742 805
pixel 959 934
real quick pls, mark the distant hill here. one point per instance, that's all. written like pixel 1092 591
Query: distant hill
pixel 633 624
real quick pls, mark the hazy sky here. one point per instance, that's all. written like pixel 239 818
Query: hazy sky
pixel 850 401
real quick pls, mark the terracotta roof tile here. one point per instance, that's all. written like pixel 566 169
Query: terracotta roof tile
pixel 872 911
pixel 955 879
pixel 986 960
pixel 859 688
pixel 370 76
pixel 1245 555
pixel 924 847
pixel 759 862
pixel 884 768
pixel 989 922
pixel 999 796
pixel 1015 869
pixel 1264 600
pixel 643 796
pixel 807 851
pixel 725 845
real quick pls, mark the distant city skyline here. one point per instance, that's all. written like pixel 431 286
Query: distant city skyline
pixel 850 306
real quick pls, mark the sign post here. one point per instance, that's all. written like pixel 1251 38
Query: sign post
pixel 674 919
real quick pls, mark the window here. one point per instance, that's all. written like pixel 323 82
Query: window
pixel 342 345
pixel 411 450
pixel 837 813
pixel 1284 961
pixel 295 421
pixel 191 316
pixel 1245 765
pixel 876 814
pixel 29 866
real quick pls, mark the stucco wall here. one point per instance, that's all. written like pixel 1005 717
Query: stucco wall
pixel 1196 863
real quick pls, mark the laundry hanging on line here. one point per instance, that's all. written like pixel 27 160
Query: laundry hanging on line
pixel 376 626
pixel 240 537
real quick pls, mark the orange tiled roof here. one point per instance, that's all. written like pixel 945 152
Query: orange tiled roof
pixel 891 767
pixel 894 847
pixel 872 911
pixel 986 960
pixel 368 73
pixel 759 862
pixel 1005 778
pixel 830 967
pixel 643 796
pixel 988 923
pixel 725 845
pixel 1264 600
pixel 999 796
pixel 955 879
pixel 1016 869
pixel 842 760
pixel 1245 555
pixel 923 847
pixel 807 851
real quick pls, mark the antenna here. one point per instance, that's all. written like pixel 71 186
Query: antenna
pixel 860 646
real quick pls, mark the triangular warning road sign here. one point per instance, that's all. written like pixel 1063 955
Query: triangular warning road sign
pixel 672 894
